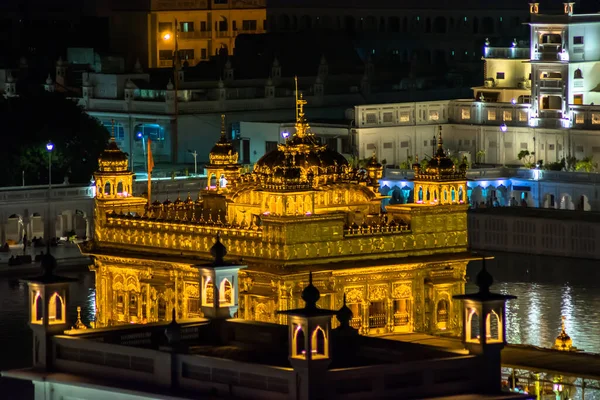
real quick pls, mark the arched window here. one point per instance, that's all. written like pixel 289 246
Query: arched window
pixel 445 196
pixel 420 194
pixel 222 181
pixel 162 309
pixel 435 195
pixel 208 296
pixel 56 312
pixel 38 309
pixel 472 328
pixel 428 195
pixel 319 343
pixel 442 314
pixel 578 74
pixel 133 305
pixel 298 346
pixel 120 188
pixel 453 195
pixel 225 292
pixel 107 188
pixel 460 194
pixel 213 181
pixel 493 327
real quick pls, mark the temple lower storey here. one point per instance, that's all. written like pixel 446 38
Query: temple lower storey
pixel 411 294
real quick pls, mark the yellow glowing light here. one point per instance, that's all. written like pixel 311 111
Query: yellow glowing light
pixel 167 36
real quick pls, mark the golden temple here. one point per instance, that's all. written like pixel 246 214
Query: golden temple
pixel 302 208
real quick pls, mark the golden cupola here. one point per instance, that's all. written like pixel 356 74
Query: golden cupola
pixel 301 162
pixel 440 182
pixel 563 341
pixel 223 167
pixel 223 152
pixel 440 167
pixel 113 178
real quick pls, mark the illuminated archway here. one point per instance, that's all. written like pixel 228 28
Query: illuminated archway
pixel 472 328
pixel 107 189
pixel 442 313
pixel 208 295
pixel 298 345
pixel 225 293
pixel 56 310
pixel 120 188
pixel 493 327
pixel 319 343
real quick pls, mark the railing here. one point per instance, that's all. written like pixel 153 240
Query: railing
pixel 555 83
pixel 507 52
pixel 248 31
pixel 356 322
pixel 195 35
pixel 222 34
pixel 401 319
pixel 377 320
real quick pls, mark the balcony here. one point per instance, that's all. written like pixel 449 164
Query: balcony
pixel 222 34
pixel 195 35
pixel 507 52
pixel 551 84
pixel 248 32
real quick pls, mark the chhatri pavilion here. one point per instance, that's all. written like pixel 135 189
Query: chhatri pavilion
pixel 302 209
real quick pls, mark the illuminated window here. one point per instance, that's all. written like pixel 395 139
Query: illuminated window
pixel 298 343
pixel 208 292
pixel 465 113
pixel 578 99
pixel 442 314
pixel 493 328
pixel 579 118
pixel 404 117
pixel 133 306
pixel 472 329
pixel 319 344
pixel 56 310
pixel 37 308
pixel 595 118
pixel 578 74
pixel 388 117
pixel 491 115
pixel 523 116
pixel 225 293
pixel 507 115
pixel 434 115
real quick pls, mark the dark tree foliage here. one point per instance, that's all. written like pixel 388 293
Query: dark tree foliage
pixel 33 119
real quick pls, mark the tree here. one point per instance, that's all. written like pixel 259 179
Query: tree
pixel 480 156
pixel 586 165
pixel 527 158
pixel 33 119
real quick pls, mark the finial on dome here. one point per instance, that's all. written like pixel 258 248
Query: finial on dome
pixel 484 279
pixel 218 251
pixel 310 294
pixel 344 315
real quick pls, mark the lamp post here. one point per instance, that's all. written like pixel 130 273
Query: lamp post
pixel 140 135
pixel 503 130
pixel 167 37
pixel 195 154
pixel 49 148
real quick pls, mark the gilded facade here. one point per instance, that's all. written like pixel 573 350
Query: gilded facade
pixel 302 208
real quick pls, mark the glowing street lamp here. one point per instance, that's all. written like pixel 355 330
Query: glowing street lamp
pixel 503 129
pixel 167 36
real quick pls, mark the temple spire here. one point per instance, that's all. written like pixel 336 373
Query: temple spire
pixel 112 130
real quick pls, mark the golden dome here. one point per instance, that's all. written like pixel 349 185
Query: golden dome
pixel 563 340
pixel 112 159
pixel 301 159
pixel 223 152
pixel 440 166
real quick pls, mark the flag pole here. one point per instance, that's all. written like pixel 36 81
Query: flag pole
pixel 150 164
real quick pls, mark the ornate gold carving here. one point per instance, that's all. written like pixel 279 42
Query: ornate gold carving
pixel 355 295
pixel 378 292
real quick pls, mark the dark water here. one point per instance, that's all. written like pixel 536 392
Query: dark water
pixel 547 288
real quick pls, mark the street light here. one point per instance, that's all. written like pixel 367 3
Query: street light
pixel 195 154
pixel 503 129
pixel 167 36
pixel 140 135
pixel 49 148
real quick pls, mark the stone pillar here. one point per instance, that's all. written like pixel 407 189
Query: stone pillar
pixel 87 228
pixel 365 319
